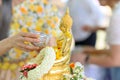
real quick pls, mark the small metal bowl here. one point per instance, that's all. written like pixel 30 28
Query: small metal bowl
pixel 44 39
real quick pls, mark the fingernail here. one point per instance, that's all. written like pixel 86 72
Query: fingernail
pixel 37 47
pixel 37 40
pixel 37 35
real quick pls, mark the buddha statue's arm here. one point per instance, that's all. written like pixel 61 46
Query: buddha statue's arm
pixel 67 43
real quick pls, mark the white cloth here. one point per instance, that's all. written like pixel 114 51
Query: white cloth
pixel 84 12
pixel 113 31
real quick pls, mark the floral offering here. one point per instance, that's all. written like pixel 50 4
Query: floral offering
pixel 76 72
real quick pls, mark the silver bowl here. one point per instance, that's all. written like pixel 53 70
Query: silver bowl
pixel 44 39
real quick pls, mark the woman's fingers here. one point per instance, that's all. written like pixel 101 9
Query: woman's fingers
pixel 26 39
pixel 27 47
pixel 31 35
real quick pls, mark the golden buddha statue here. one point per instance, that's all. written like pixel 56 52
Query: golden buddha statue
pixel 61 65
pixel 51 66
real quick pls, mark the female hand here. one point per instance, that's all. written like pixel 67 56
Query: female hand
pixel 19 40
pixel 89 29
pixel 89 50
